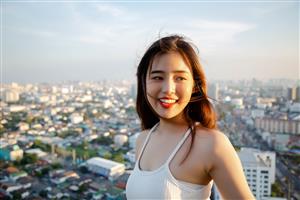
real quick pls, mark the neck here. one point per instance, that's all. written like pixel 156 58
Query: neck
pixel 174 127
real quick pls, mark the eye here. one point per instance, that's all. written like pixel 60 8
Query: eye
pixel 180 78
pixel 156 78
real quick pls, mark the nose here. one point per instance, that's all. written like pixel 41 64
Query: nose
pixel 168 86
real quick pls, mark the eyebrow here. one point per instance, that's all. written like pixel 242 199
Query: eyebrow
pixel 161 72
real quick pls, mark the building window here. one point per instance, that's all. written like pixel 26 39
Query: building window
pixel 264 172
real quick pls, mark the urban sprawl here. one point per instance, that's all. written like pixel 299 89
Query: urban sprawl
pixel 76 140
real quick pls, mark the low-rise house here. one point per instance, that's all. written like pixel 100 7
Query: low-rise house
pixel 17 175
pixel 63 177
pixel 23 192
pixel 11 152
pixel 11 170
pixel 115 193
pixel 10 186
pixel 122 180
pixel 37 151
pixel 26 182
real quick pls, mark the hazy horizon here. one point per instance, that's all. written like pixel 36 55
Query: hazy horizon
pixel 93 41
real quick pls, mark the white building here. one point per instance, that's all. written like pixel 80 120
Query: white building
pixel 130 155
pixel 237 102
pixel 17 108
pixel 132 140
pixel 11 96
pixel 76 118
pixel 259 169
pixel 257 113
pixel 107 168
pixel 120 139
pixel 38 152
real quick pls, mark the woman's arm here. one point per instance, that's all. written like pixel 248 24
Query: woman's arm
pixel 226 170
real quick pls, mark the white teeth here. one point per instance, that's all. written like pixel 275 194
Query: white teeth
pixel 168 100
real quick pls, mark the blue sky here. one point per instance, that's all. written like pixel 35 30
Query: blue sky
pixel 91 41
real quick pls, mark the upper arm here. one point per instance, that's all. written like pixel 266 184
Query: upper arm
pixel 227 171
pixel 139 143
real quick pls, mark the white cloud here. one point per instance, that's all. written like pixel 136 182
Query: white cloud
pixel 109 9
pixel 213 34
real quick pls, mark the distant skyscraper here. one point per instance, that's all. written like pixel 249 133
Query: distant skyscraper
pixel 291 94
pixel 298 94
pixel 133 90
pixel 213 91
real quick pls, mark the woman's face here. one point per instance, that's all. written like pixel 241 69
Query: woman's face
pixel 169 85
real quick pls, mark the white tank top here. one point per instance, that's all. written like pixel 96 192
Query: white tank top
pixel 160 183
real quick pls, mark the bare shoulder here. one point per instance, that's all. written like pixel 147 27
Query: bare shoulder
pixel 142 137
pixel 213 144
pixel 214 139
pixel 140 141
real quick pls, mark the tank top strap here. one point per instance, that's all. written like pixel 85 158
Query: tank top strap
pixel 146 142
pixel 178 146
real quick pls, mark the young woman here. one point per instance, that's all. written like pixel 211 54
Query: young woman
pixel 180 152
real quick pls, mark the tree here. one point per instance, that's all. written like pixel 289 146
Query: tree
pixel 29 159
pixel 45 171
pixel 43 193
pixel 82 188
pixel 118 158
pixel 17 196
pixel 104 140
pixel 83 169
pixel 107 155
pixel 56 165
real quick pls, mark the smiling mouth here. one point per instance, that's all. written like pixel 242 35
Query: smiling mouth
pixel 167 103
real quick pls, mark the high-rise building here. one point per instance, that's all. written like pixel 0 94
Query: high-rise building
pixel 213 91
pixel 274 125
pixel 291 94
pixel 298 94
pixel 259 169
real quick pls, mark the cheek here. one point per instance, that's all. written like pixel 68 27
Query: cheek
pixel 151 91
pixel 151 86
pixel 187 90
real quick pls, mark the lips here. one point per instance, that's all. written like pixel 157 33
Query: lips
pixel 167 102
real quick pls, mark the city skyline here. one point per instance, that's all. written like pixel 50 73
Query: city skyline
pixel 63 41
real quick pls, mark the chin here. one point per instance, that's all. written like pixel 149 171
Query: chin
pixel 169 116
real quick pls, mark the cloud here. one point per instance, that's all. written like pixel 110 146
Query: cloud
pixel 262 11
pixel 109 9
pixel 210 35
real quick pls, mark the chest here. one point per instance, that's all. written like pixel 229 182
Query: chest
pixel 159 152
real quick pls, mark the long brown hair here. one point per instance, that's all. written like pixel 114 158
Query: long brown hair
pixel 199 109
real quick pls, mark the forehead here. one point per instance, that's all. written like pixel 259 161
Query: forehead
pixel 169 62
